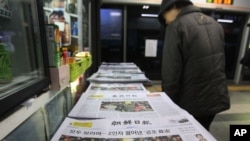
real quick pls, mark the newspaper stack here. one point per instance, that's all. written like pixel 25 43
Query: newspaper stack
pixel 118 73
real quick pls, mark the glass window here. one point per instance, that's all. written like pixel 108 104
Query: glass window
pixel 22 72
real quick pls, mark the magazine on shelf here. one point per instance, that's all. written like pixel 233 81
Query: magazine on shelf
pixel 123 105
pixel 174 128
pixel 118 77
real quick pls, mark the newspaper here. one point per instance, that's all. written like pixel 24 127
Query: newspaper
pixel 124 65
pixel 113 88
pixel 118 77
pixel 118 73
pixel 123 105
pixel 118 63
pixel 119 70
pixel 174 128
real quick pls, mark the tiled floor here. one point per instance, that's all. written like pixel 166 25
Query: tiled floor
pixel 239 113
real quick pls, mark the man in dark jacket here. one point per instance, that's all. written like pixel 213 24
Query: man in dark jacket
pixel 193 61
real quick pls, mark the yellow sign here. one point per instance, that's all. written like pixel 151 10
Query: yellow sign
pixel 81 124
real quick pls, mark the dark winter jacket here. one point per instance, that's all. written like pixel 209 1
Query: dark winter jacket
pixel 193 63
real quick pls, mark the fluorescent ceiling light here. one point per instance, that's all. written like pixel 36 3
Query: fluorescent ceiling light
pixel 149 15
pixel 113 14
pixel 225 21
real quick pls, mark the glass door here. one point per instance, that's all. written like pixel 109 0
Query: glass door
pixel 143 25
pixel 22 42
pixel 111 34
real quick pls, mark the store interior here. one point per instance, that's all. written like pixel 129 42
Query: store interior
pixel 35 83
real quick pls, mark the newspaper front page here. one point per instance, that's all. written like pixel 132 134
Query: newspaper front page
pixel 118 72
pixel 113 65
pixel 115 88
pixel 122 101
pixel 118 78
pixel 174 128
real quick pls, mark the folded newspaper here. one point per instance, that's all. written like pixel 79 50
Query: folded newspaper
pixel 115 88
pixel 118 77
pixel 118 73
pixel 119 70
pixel 175 128
pixel 113 65
pixel 122 101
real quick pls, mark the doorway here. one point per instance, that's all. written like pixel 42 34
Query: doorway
pixel 140 24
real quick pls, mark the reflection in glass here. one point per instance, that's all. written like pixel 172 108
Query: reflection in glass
pixel 22 65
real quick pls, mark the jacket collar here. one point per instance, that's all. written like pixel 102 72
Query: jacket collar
pixel 188 9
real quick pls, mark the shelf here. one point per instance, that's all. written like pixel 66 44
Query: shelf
pixel 5 13
pixel 73 15
pixel 70 14
pixel 74 36
pixel 47 9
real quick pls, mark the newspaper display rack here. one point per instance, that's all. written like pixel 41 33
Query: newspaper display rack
pixel 119 111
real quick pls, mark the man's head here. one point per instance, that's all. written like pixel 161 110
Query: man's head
pixel 170 9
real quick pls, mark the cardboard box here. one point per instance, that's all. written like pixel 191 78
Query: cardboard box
pixel 59 77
